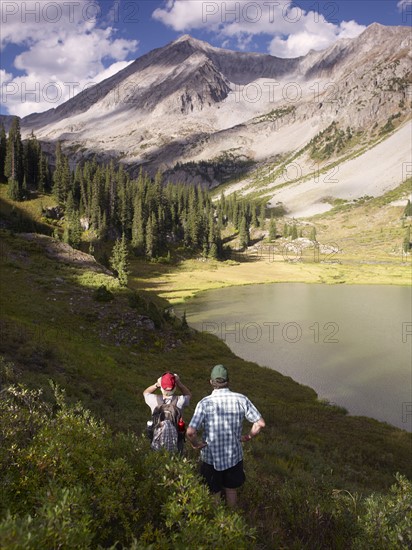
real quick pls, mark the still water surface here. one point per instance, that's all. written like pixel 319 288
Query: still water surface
pixel 352 344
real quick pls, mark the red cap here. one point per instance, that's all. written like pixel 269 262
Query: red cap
pixel 168 381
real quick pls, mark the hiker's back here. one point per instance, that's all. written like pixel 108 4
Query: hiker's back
pixel 165 420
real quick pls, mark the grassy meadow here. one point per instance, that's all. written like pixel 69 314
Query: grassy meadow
pixel 310 472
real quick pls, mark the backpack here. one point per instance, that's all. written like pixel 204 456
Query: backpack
pixel 164 432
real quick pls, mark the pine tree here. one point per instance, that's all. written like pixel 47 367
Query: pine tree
pixel 3 151
pixel 244 236
pixel 61 176
pixel 214 252
pixel 76 230
pixel 151 236
pixel 14 168
pixel 138 234
pixel 408 209
pixel 254 221
pixel 43 176
pixel 73 231
pixel 32 153
pixel 286 231
pixel 124 203
pixel 235 214
pixel 407 240
pixel 294 232
pixel 14 191
pixel 119 260
pixel 313 234
pixel 70 206
pixel 272 229
pixel 185 325
pixel 211 239
pixel 262 217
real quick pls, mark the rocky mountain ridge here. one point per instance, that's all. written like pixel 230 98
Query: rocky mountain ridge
pixel 188 108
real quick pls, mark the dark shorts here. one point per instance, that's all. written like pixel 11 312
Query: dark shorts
pixel 230 479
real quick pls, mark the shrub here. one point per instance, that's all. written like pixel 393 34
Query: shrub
pixel 136 301
pixel 101 294
pixel 69 482
pixel 387 520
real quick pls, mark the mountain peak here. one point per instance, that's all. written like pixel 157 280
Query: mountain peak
pixel 193 41
pixel 184 38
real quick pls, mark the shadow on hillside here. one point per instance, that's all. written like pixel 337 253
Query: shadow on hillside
pixel 15 218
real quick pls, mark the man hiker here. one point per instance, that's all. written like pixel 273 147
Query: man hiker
pixel 221 416
pixel 167 426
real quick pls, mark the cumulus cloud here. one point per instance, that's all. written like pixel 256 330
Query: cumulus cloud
pixel 402 4
pixel 66 46
pixel 294 31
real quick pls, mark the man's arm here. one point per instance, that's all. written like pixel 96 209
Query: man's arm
pixel 182 387
pixel 192 437
pixel 153 387
pixel 255 429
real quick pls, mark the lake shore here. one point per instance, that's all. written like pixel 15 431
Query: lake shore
pixel 180 282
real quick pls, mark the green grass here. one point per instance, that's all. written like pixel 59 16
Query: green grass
pixel 53 329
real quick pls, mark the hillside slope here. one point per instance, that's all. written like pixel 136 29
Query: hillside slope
pixel 105 353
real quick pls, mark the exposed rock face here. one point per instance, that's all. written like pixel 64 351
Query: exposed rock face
pixel 190 102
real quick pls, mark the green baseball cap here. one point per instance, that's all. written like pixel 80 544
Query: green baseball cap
pixel 219 371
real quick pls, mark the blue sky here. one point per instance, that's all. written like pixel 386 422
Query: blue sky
pixel 52 49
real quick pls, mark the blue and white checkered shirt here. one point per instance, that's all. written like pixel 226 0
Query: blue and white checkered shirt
pixel 221 415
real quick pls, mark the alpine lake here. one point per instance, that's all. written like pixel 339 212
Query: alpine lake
pixel 351 343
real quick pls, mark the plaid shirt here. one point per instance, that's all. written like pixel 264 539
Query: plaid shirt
pixel 221 415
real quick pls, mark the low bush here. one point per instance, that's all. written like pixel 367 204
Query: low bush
pixel 69 482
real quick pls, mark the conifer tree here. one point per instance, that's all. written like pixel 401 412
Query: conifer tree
pixel 222 209
pixel 31 161
pixel 3 151
pixel 272 228
pixel 294 232
pixel 70 206
pixel 193 219
pixel 138 233
pixel 76 230
pixel 119 260
pixel 262 217
pixel 254 222
pixel 73 231
pixel 61 176
pixel 212 230
pixel 244 236
pixel 234 210
pixel 286 231
pixel 124 202
pixel 313 234
pixel 408 209
pixel 407 240
pixel 151 236
pixel 14 191
pixel 14 169
pixel 43 176
pixel 214 252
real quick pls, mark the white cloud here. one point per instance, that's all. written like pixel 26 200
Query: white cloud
pixel 301 43
pixel 294 30
pixel 403 4
pixel 67 45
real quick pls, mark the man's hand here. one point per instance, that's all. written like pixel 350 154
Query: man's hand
pixel 192 437
pixel 245 438
pixel 198 446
